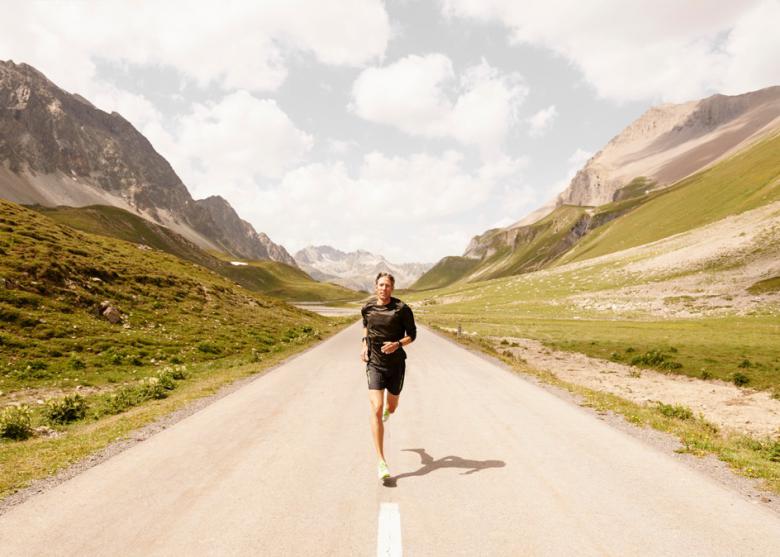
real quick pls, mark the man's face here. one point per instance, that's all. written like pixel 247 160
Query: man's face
pixel 384 288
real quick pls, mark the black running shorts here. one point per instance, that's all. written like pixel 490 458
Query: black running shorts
pixel 391 378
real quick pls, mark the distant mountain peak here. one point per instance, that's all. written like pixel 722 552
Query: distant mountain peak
pixel 356 269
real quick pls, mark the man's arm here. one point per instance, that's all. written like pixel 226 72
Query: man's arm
pixel 364 343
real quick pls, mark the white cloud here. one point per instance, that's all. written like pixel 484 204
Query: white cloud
pixel 752 49
pixel 228 145
pixel 408 94
pixel 661 50
pixel 237 45
pixel 389 202
pixel 542 120
pixel 421 96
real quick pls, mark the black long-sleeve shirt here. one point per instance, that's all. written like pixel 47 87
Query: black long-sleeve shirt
pixel 387 323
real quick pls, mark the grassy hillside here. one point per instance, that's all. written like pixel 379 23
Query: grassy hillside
pixel 268 277
pixel 54 280
pixel 526 248
pixel 288 283
pixel 529 248
pixel 83 374
pixel 745 181
pixel 447 271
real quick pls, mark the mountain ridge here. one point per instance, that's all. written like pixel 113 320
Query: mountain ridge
pixel 355 270
pixel 57 148
pixel 738 173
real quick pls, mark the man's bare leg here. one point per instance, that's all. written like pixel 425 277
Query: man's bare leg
pixel 376 398
pixel 392 402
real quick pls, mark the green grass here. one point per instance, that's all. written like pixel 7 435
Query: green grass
pixel 288 283
pixel 684 347
pixel 53 280
pixel 745 181
pixel 447 271
pixel 268 277
pixel 531 247
pixel 637 187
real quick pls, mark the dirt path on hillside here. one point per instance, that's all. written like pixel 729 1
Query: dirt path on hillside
pixel 720 403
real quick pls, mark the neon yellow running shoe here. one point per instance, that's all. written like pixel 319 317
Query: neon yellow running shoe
pixel 386 415
pixel 382 471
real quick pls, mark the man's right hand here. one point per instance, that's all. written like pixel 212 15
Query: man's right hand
pixel 364 354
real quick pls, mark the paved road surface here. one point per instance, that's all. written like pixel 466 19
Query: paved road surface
pixel 485 463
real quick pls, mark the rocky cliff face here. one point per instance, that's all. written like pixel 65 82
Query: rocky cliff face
pixel 58 149
pixel 241 234
pixel 356 269
pixel 672 141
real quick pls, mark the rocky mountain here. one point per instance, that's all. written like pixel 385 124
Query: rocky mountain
pixel 58 149
pixel 242 235
pixel 670 149
pixel 355 270
pixel 672 141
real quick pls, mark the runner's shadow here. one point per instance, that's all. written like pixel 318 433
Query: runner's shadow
pixel 429 464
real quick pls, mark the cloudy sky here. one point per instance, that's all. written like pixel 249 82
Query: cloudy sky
pixel 402 127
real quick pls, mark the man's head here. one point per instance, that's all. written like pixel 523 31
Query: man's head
pixel 384 285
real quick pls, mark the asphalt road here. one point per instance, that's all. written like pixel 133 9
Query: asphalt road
pixel 485 463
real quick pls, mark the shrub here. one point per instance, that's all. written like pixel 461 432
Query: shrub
pixel 705 374
pixel 121 400
pixel 209 348
pixel 77 363
pixel 740 379
pixel 504 342
pixel 34 369
pixel 16 422
pixel 178 372
pixel 9 315
pixel 656 359
pixel 67 409
pixel 165 378
pixel 675 411
pixel 774 451
pixel 744 364
pixel 151 387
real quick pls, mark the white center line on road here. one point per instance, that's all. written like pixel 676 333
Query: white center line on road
pixel 388 541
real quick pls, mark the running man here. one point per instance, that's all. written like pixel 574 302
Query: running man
pixel 388 326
